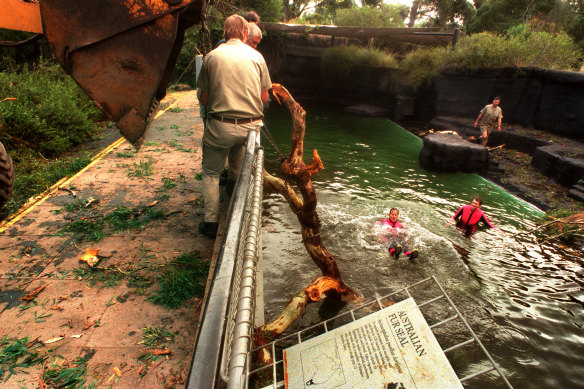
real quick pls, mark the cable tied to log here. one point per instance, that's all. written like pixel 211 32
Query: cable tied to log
pixel 266 133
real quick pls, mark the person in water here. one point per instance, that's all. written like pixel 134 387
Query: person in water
pixel 394 231
pixel 468 216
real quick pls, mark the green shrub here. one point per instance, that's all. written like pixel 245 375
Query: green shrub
pixel 337 62
pixel 44 110
pixel 423 64
pixel 35 175
pixel 388 15
pixel 521 47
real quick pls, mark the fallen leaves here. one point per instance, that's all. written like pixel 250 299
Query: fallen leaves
pixel 90 257
pixel 32 295
pixel 53 340
pixel 90 324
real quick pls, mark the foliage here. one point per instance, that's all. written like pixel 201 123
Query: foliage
pixel 153 336
pixel 337 62
pixel 66 375
pixel 500 15
pixel 423 64
pixel 44 110
pixel 184 279
pixel 269 10
pixel 120 219
pixel 13 57
pixel 548 230
pixel 15 353
pixel 524 48
pixel 34 175
pixel 520 48
pixel 325 10
pixel 387 15
pixel 441 13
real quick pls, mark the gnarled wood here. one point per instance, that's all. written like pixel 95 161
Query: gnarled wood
pixel 295 170
pixel 294 309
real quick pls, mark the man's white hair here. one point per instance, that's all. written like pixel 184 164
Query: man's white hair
pixel 253 31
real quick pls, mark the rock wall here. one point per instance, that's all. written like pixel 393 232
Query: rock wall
pixel 451 153
pixel 547 100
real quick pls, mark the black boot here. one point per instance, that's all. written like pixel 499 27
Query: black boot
pixel 208 229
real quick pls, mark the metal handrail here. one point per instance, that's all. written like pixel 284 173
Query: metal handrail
pixel 205 369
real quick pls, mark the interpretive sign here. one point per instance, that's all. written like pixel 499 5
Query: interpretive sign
pixel 393 348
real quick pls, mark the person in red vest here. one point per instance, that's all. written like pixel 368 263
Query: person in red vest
pixel 468 216
pixel 394 230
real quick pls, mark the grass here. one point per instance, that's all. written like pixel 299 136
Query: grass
pixel 34 175
pixel 105 277
pixel 16 355
pixel 65 375
pixel 175 110
pixel 168 183
pixel 140 169
pixel 95 227
pixel 183 279
pixel 127 154
pixel 154 336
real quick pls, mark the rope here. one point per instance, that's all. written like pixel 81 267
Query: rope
pixel 204 38
pixel 22 42
pixel 266 133
pixel 184 71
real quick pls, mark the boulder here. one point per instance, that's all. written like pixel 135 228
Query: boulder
pixel 564 164
pixel 450 153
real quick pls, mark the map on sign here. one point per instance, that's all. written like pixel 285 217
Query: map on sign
pixel 391 349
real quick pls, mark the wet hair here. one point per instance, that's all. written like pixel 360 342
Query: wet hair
pixel 479 198
pixel 394 209
pixel 253 31
pixel 252 17
pixel 235 27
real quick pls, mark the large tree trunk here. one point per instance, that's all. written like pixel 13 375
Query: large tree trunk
pixel 304 207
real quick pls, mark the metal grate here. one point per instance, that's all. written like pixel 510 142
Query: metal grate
pixel 240 320
pixel 450 328
pixel 224 337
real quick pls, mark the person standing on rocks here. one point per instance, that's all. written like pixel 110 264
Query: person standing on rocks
pixel 234 84
pixel 490 117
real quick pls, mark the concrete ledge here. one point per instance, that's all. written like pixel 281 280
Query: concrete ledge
pixel 565 164
pixel 451 153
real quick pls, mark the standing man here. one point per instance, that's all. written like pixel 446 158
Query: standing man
pixel 234 84
pixel 491 115
pixel 254 35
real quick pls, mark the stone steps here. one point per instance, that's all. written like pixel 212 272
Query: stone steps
pixel 577 190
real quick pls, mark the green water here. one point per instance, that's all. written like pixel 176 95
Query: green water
pixel 520 297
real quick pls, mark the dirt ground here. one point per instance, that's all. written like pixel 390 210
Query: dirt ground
pixel 104 314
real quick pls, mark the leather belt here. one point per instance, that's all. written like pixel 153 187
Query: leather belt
pixel 234 120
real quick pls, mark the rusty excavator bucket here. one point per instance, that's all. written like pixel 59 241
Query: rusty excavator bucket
pixel 121 52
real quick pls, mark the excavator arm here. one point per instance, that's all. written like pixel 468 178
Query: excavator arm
pixel 121 52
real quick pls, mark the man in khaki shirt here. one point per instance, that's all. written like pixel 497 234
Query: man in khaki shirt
pixel 491 115
pixel 234 84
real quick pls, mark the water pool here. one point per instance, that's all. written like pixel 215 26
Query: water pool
pixel 522 299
